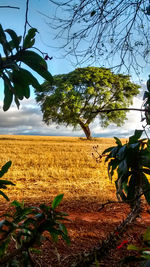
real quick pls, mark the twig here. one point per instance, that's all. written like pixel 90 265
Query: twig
pixel 118 109
pixel 26 19
pixel 15 7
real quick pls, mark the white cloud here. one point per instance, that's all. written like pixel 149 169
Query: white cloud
pixel 28 121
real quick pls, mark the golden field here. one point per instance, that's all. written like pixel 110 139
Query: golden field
pixel 43 167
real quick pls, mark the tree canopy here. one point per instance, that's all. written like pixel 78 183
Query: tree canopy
pixel 77 97
pixel 99 31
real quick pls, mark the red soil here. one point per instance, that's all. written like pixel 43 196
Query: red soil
pixel 87 227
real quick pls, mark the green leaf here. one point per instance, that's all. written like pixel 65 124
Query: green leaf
pixel 35 62
pixel 146 95
pixel 146 236
pixel 8 97
pixel 131 188
pixel 57 201
pixel 147 171
pixel 118 142
pixel 123 168
pixel 109 149
pixel 27 78
pixel 15 39
pixel 5 182
pixel 16 203
pixel 122 152
pixel 3 41
pixel 148 85
pixel 112 165
pixel 146 188
pixel 132 247
pixel 17 101
pixel 136 136
pixel 29 39
pixel 3 247
pixel 5 168
pixel 4 195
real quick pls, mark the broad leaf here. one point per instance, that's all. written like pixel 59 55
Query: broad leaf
pixel 30 38
pixel 131 188
pixel 122 152
pixel 35 62
pixel 8 96
pixel 5 168
pixel 136 136
pixel 146 236
pixel 118 142
pixel 15 39
pixel 57 201
pixel 146 188
pixel 4 195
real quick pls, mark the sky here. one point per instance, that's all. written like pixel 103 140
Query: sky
pixel 28 119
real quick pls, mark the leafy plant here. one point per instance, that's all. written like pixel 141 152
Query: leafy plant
pixel 25 227
pixel 130 163
pixel 17 80
pixel 143 251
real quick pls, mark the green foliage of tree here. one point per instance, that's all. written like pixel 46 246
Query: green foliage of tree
pixel 76 98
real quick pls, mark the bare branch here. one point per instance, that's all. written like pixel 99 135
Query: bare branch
pixel 15 7
pixel 26 19
pixel 110 33
pixel 118 109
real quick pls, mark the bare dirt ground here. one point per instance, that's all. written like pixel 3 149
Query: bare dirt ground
pixel 87 227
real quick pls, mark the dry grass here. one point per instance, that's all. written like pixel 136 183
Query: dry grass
pixel 43 167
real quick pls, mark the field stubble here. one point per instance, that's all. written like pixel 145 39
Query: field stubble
pixel 43 167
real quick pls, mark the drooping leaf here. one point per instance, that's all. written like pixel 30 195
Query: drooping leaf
pixel 5 182
pixel 132 247
pixel 136 136
pixel 109 149
pixel 4 195
pixel 17 101
pixel 122 169
pixel 146 188
pixel 35 62
pixel 146 95
pixel 146 236
pixel 122 152
pixel 118 142
pixel 15 39
pixel 30 38
pixel 131 188
pixel 147 171
pixel 5 168
pixel 8 96
pixel 3 42
pixel 57 201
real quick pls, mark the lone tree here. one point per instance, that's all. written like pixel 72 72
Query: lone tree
pixel 77 97
pixel 91 30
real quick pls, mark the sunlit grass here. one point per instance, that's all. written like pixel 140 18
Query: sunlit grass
pixel 45 166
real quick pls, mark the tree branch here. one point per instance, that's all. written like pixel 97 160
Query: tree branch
pixel 118 109
pixel 26 19
pixel 15 7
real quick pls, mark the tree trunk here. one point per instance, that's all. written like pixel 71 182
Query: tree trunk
pixel 86 130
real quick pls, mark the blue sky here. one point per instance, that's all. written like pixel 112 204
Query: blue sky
pixel 28 120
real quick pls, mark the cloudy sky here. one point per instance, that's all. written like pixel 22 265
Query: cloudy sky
pixel 28 120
